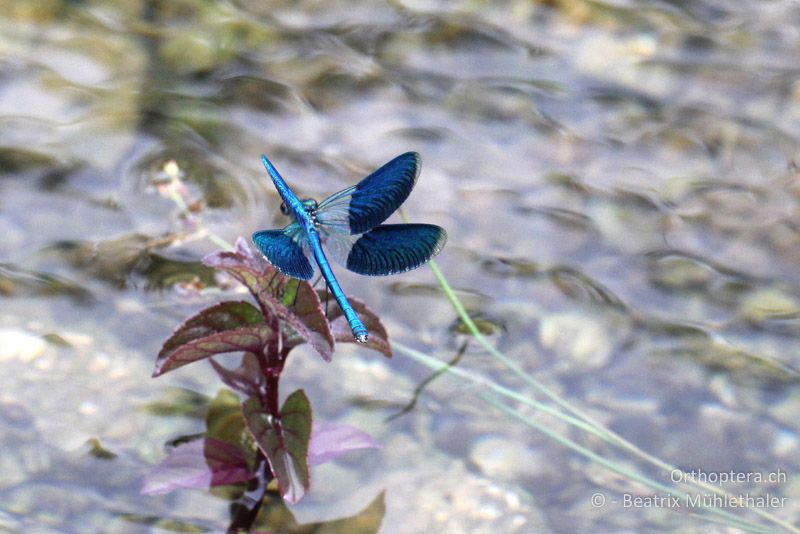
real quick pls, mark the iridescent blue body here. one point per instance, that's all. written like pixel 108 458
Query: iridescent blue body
pixel 349 224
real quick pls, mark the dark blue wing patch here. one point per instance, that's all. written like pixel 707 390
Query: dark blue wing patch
pixel 284 253
pixel 395 248
pixel 378 195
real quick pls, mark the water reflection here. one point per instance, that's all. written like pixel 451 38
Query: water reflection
pixel 619 184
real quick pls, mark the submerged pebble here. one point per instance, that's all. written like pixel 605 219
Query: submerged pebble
pixel 23 449
pixel 500 457
pixel 450 499
pixel 787 410
pixel 769 303
pixel 582 338
pixel 20 345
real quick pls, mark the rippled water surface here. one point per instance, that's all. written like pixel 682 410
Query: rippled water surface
pixel 620 186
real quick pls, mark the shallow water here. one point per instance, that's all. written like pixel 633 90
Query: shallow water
pixel 620 186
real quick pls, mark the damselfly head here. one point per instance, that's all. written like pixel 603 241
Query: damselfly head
pixel 310 205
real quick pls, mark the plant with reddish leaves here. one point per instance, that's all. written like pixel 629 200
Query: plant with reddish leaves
pixel 262 440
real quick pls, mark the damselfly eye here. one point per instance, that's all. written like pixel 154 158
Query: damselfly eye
pixel 284 209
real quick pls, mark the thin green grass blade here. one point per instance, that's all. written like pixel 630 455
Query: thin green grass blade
pixel 579 418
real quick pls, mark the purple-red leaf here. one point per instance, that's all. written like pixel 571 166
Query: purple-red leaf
pixel 248 378
pixel 331 440
pixel 245 339
pixel 225 327
pixel 223 316
pixel 284 441
pixel 308 322
pixel 378 338
pixel 294 302
pixel 200 463
pixel 251 269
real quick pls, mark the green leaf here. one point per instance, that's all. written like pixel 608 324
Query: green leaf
pixel 224 420
pixel 367 521
pixel 284 441
pixel 226 327
pixel 276 517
